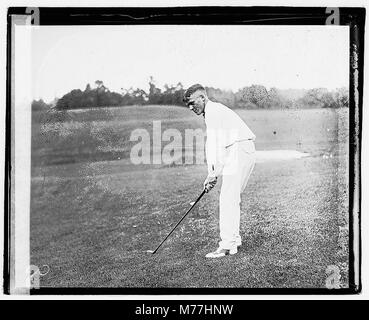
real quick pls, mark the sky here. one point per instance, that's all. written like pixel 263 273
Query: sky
pixel 227 57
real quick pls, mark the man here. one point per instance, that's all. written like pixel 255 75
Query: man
pixel 230 153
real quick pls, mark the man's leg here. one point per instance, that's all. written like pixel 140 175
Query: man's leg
pixel 246 173
pixel 247 170
pixel 230 199
pixel 229 211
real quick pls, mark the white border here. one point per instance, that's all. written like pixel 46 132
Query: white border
pixel 164 3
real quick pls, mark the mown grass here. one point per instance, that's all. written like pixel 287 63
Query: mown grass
pixel 96 135
pixel 92 221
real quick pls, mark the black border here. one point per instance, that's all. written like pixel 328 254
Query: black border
pixel 353 17
pixel 355 129
pixel 201 15
pixel 7 174
pixel 128 308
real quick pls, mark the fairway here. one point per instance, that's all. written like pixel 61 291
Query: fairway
pixel 94 213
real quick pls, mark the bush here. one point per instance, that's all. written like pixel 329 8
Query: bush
pixel 323 98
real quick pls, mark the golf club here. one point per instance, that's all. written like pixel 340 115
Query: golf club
pixel 194 203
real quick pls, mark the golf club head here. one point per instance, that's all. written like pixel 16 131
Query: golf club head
pixel 151 251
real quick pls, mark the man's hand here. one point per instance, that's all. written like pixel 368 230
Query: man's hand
pixel 209 183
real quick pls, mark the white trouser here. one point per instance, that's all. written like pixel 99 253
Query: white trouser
pixel 237 170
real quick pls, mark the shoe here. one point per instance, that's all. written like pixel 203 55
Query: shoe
pixel 221 253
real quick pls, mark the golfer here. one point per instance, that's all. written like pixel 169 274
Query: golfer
pixel 230 153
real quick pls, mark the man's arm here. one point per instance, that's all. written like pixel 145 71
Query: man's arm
pixel 215 150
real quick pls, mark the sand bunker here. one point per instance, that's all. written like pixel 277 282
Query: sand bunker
pixel 278 155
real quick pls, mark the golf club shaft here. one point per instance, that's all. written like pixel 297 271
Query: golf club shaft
pixel 184 216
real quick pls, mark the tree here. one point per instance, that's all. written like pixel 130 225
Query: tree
pixel 99 89
pixel 154 92
pixel 315 97
pixel 277 101
pixel 88 88
pixel 321 97
pixel 38 105
pixel 342 97
pixel 99 84
pixel 255 96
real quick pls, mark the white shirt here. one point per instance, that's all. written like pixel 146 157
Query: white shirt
pixel 224 127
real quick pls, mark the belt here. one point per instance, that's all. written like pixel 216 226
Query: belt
pixel 249 139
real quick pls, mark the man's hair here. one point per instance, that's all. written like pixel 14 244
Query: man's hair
pixel 191 90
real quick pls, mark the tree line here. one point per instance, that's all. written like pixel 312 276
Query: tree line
pixel 249 97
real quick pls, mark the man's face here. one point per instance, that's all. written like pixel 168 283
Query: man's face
pixel 196 102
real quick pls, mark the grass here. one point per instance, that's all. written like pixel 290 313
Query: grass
pixel 92 221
